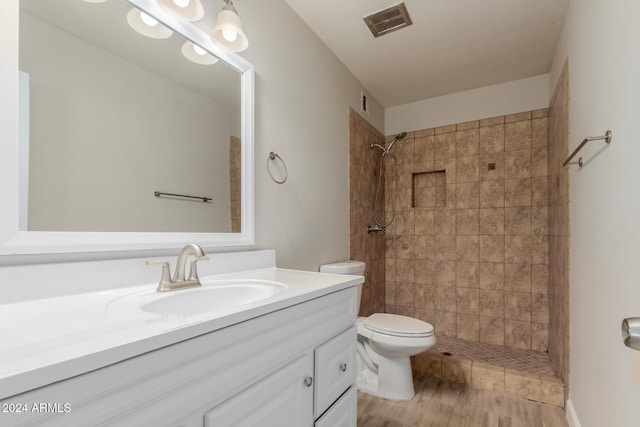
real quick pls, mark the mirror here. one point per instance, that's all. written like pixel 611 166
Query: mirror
pixel 117 120
pixel 124 143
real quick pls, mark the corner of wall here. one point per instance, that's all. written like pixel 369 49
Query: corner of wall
pixel 522 95
pixel 572 417
pixel 560 57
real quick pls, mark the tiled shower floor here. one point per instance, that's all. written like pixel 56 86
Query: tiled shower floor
pixel 525 374
pixel 534 362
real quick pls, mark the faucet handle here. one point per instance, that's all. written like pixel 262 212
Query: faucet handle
pixel 193 271
pixel 165 279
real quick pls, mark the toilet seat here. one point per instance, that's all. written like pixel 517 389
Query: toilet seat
pixel 396 325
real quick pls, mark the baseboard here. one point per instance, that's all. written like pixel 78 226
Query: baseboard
pixel 572 417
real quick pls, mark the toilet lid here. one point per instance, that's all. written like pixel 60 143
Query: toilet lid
pixel 394 324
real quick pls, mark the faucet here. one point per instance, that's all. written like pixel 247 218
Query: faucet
pixel 179 281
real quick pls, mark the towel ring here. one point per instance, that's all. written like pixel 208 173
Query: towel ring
pixel 273 156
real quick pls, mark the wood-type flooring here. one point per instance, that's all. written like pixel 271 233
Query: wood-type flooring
pixel 442 404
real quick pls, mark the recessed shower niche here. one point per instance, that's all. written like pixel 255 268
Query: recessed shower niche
pixel 429 189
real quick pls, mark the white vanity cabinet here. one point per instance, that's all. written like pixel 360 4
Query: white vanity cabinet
pixel 343 413
pixel 334 367
pixel 291 367
pixel 297 393
pixel 283 398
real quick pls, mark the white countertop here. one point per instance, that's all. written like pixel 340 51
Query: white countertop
pixel 48 340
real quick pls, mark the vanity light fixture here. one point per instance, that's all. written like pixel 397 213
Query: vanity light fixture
pixel 195 53
pixel 147 25
pixel 189 10
pixel 228 32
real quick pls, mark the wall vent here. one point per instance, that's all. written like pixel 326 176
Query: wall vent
pixel 388 20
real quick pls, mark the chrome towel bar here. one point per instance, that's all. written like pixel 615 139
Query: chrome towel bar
pixel 606 137
pixel 203 198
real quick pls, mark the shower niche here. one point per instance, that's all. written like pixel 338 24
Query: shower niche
pixel 429 189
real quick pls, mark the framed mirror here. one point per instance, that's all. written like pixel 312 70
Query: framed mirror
pixel 122 142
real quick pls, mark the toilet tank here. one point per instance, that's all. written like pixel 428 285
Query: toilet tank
pixel 355 268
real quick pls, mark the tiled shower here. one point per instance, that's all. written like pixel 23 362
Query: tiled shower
pixel 468 250
pixel 474 265
pixel 363 246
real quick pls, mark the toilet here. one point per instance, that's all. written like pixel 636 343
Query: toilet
pixel 385 344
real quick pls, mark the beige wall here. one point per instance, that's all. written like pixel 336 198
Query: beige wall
pixel 604 66
pixel 488 101
pixel 475 263
pixel 302 99
pixel 303 95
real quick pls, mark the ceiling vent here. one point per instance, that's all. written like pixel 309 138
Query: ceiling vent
pixel 388 20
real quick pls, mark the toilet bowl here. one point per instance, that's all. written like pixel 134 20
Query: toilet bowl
pixel 385 344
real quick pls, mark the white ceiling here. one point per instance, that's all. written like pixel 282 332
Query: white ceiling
pixel 453 45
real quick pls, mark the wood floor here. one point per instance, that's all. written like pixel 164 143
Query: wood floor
pixel 440 404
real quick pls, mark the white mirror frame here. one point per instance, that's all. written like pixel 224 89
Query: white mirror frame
pixel 14 241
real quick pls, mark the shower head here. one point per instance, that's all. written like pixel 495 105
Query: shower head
pixel 398 137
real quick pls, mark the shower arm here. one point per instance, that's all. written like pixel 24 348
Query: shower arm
pixel 384 150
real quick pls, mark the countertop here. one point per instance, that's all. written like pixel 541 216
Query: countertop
pixel 48 340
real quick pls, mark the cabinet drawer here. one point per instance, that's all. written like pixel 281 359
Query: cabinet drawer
pixel 335 369
pixel 343 413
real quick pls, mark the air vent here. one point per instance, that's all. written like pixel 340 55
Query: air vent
pixel 388 20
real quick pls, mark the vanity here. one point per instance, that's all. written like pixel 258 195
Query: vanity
pixel 86 339
pixel 111 357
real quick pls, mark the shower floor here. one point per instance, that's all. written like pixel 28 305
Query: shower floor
pixel 519 373
pixel 534 362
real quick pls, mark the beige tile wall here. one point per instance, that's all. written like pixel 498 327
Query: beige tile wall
pixel 235 183
pixel 559 229
pixel 363 175
pixel 477 267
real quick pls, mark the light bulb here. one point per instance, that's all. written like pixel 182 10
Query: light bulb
pixel 200 51
pixel 229 35
pixel 148 20
pixel 181 3
pixel 197 54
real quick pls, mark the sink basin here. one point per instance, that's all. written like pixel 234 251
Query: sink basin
pixel 210 297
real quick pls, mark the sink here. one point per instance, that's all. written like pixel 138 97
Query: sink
pixel 213 295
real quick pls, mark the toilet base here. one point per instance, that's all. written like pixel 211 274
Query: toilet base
pixel 393 381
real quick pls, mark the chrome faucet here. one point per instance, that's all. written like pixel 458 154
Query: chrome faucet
pixel 179 281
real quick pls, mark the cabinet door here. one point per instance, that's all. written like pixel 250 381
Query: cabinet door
pixel 335 369
pixel 343 413
pixel 284 398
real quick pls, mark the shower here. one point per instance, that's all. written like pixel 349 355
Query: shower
pixel 386 151
pixel 379 224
